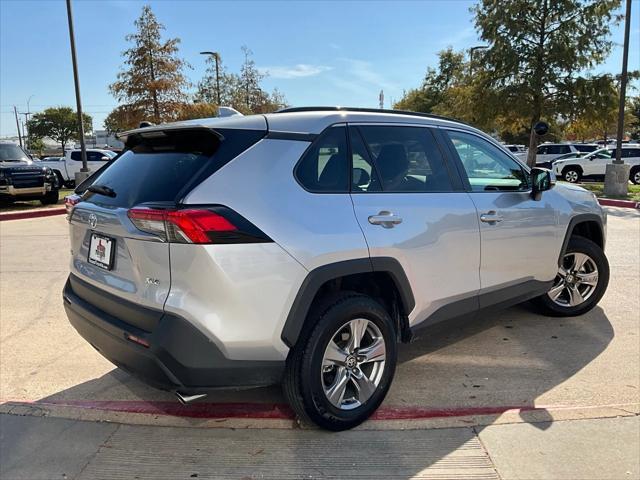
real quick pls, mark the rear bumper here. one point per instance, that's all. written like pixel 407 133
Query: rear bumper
pixel 179 356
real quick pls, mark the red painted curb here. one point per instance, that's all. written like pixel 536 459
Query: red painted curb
pixel 32 214
pixel 266 410
pixel 608 202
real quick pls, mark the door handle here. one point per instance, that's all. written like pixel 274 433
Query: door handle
pixel 385 218
pixel 491 217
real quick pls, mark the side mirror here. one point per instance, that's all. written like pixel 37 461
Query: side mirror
pixel 541 181
pixel 360 177
pixel 105 159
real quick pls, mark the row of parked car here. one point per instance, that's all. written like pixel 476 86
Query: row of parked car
pixel 24 177
pixel 576 161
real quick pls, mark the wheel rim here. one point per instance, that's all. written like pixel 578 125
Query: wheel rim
pixel 636 177
pixel 576 281
pixel 353 364
pixel 571 176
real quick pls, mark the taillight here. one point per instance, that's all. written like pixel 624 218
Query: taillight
pixel 197 225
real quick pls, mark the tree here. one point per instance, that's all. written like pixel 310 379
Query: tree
pixel 189 111
pixel 448 73
pixel 208 87
pixel 59 124
pixel 35 144
pixel 241 91
pixel 634 112
pixel 152 83
pixel 537 46
pixel 124 117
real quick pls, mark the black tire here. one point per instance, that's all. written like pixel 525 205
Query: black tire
pixel 572 174
pixel 51 198
pixel 303 380
pixel 60 178
pixel 585 246
pixel 634 175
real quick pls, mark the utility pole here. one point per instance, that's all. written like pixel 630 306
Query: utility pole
pixel 25 128
pixel 381 99
pixel 15 112
pixel 216 57
pixel 84 171
pixel 616 180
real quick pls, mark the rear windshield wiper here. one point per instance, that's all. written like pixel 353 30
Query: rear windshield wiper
pixel 102 190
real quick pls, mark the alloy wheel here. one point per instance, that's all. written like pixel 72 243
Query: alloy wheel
pixel 571 176
pixel 353 364
pixel 576 281
pixel 636 177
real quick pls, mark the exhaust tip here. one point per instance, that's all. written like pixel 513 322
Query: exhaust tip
pixel 187 399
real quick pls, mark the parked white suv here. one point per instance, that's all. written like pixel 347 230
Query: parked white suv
pixel 593 166
pixel 303 246
pixel 547 153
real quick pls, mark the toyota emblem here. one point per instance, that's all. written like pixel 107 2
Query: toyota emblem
pixel 93 220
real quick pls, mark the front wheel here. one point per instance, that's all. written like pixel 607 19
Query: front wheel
pixel 338 375
pixel 634 175
pixel 582 279
pixel 51 198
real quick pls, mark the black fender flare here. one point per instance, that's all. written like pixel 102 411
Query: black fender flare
pixel 319 276
pixel 575 220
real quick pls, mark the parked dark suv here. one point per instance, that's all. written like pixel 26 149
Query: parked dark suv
pixel 23 179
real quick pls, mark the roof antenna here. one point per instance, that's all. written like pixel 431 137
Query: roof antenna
pixel 145 124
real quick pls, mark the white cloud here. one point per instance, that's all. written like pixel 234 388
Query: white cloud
pixel 296 71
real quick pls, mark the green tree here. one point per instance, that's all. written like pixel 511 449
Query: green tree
pixel 59 124
pixel 152 82
pixel 208 87
pixel 449 72
pixel 35 144
pixel 536 47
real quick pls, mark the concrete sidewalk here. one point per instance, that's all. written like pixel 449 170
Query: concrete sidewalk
pixel 52 448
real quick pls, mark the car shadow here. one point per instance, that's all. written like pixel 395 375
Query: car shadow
pixel 501 359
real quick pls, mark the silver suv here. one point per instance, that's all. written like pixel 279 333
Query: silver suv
pixel 303 246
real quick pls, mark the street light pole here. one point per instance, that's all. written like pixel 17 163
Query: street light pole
pixel 616 180
pixel 84 171
pixel 216 58
pixel 471 51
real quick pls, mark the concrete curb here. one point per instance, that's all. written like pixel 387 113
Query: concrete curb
pixel 32 214
pixel 278 416
pixel 608 202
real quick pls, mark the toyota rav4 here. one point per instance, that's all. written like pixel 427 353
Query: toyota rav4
pixel 302 247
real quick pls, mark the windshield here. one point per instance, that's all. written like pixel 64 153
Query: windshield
pixel 602 153
pixel 12 153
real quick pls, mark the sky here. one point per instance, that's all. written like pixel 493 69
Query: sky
pixel 316 52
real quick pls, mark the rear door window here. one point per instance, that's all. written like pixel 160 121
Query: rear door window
pixel 407 159
pixel 164 169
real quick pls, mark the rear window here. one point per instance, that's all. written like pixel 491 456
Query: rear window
pixel 164 169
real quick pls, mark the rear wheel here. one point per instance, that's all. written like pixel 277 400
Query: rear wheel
pixel 571 174
pixel 338 375
pixel 582 279
pixel 634 175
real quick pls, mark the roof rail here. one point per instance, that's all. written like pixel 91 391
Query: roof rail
pixel 368 110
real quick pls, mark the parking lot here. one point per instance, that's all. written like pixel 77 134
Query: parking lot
pixel 473 394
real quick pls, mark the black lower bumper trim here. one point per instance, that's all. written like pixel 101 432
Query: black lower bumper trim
pixel 179 356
